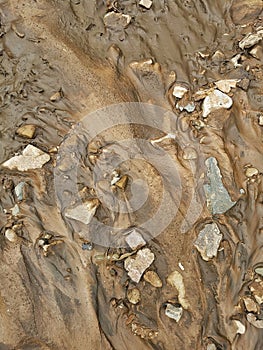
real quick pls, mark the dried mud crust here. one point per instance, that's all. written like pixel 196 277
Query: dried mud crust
pixel 197 284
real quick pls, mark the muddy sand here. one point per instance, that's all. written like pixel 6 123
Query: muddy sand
pixel 131 174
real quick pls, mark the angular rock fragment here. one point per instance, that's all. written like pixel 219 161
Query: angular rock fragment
pixel 31 158
pixel 240 327
pixel 138 264
pixel 134 296
pixel 152 278
pixel 226 85
pixel 83 212
pixel 243 84
pixel 19 190
pixel 27 131
pixel 250 304
pixel 146 4
pixel 208 241
pixel 115 19
pixel 135 240
pixel 218 199
pixel 256 287
pixel 174 311
pixel 214 101
pixel 175 279
pixel 179 91
pixel 258 323
pixel 122 182
pixel 251 39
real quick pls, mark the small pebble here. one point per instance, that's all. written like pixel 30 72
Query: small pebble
pixel 27 131
pixel 11 235
pixel 251 172
pixel 134 296
pixel 152 278
pixel 146 4
pixel 87 246
pixel 56 96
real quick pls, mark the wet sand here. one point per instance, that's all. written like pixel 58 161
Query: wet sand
pixel 98 81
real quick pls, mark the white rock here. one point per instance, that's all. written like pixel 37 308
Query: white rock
pixel 226 85
pixel 135 240
pixel 240 327
pixel 214 101
pixel 260 120
pixel 83 212
pixel 19 189
pixel 174 312
pixel 175 279
pixel 11 235
pixel 251 40
pixel 211 347
pixel 115 19
pixel 146 3
pixel 208 241
pixel 179 90
pixel 31 158
pixel 136 266
pixel 235 60
pixel 15 210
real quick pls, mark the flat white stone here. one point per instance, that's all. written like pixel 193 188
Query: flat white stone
pixel 136 266
pixel 226 85
pixel 251 39
pixel 214 101
pixel 208 241
pixel 114 20
pixel 179 91
pixel 11 235
pixel 31 158
pixel 83 212
pixel 146 3
pixel 240 327
pixel 135 240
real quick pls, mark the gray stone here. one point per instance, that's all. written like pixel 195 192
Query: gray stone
pixel 218 199
pixel 83 212
pixel 208 241
pixel 19 190
pixel 174 312
pixel 251 39
pixel 135 240
pixel 136 266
